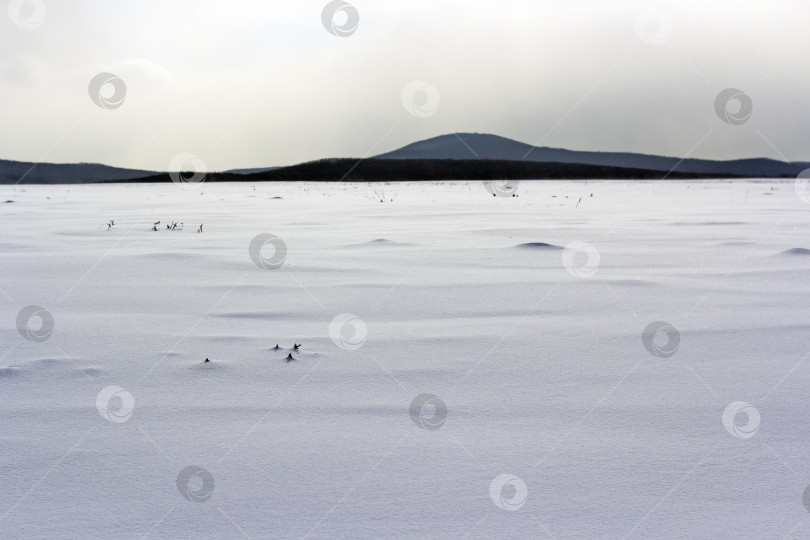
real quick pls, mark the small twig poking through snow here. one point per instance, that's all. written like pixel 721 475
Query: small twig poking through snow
pixel 200 229
pixel 379 193
pixel 110 224
pixel 173 227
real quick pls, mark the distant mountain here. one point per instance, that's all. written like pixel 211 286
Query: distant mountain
pixel 11 172
pixel 23 172
pixel 487 146
pixel 433 159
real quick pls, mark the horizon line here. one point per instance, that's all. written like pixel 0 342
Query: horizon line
pixel 445 134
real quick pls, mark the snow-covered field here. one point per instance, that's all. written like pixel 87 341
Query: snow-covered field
pixel 535 359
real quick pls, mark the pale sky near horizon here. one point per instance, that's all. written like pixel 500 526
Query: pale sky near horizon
pixel 261 83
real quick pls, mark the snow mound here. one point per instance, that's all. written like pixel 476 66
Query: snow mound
pixel 42 367
pixel 379 242
pixel 797 251
pixel 709 223
pixel 10 371
pixel 258 315
pixel 631 282
pixel 538 245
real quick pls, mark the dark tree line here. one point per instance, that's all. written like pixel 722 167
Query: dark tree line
pixel 393 170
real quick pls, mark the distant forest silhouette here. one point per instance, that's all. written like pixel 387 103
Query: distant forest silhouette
pixel 392 170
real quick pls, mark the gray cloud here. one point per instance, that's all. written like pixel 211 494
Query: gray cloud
pixel 263 83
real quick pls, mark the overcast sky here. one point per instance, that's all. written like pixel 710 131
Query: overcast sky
pixel 258 83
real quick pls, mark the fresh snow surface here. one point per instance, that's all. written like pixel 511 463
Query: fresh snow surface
pixel 535 350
